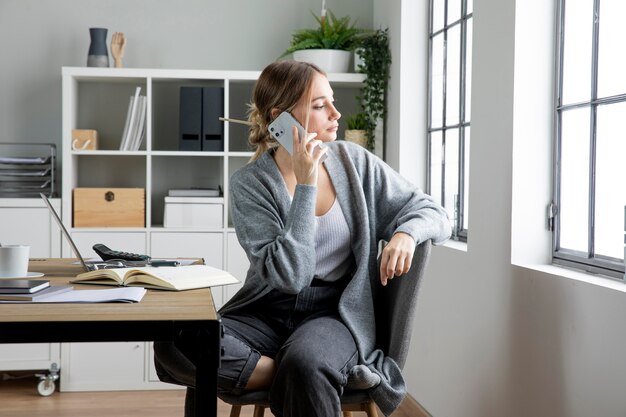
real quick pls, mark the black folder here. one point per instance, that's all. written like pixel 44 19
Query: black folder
pixel 190 120
pixel 212 127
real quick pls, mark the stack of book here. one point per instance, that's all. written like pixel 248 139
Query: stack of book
pixel 29 290
pixel 134 127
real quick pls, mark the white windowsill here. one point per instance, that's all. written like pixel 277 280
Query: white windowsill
pixel 456 245
pixel 556 270
pixel 586 277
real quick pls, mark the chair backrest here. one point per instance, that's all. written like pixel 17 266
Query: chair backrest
pixel 394 319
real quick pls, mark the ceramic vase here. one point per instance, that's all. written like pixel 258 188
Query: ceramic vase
pixel 98 55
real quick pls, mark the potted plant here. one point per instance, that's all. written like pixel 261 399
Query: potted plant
pixel 357 129
pixel 375 62
pixel 328 46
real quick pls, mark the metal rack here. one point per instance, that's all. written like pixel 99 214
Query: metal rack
pixel 27 169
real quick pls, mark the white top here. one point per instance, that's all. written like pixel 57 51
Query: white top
pixel 333 251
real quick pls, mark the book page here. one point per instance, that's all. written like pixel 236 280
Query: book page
pixel 180 277
pixel 113 276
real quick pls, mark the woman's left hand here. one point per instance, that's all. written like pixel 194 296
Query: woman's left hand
pixel 396 257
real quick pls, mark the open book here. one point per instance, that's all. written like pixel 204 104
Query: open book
pixel 175 278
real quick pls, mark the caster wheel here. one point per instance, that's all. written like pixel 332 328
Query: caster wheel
pixel 46 387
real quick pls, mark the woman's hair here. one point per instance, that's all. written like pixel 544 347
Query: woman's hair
pixel 281 86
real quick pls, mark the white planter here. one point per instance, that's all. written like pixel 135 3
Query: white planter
pixel 329 60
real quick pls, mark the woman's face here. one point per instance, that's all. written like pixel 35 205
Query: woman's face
pixel 323 116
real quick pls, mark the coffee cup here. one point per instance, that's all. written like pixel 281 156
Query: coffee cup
pixel 14 261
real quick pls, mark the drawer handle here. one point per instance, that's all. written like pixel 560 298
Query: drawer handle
pixel 109 196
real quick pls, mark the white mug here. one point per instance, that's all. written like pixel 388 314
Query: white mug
pixel 14 261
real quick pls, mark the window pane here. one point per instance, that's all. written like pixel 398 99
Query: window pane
pixel 451 170
pixel 435 166
pixel 574 179
pixel 453 76
pixel 468 72
pixel 466 178
pixel 610 175
pixel 470 6
pixel 577 51
pixel 454 10
pixel 438 14
pixel 611 56
pixel 436 113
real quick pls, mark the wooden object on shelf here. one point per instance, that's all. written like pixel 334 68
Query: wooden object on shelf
pixel 109 207
pixel 84 139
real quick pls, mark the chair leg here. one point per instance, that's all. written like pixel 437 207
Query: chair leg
pixel 235 410
pixel 371 409
pixel 259 411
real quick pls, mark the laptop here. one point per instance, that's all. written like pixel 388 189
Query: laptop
pixel 87 266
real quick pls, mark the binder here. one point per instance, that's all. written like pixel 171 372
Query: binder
pixel 190 119
pixel 212 127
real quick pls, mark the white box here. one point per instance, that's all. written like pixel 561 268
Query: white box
pixel 196 212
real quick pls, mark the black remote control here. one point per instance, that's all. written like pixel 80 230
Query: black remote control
pixel 107 254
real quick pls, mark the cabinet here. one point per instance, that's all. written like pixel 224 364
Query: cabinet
pixel 97 98
pixel 27 221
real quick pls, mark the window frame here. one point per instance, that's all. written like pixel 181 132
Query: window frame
pixel 458 231
pixel 589 261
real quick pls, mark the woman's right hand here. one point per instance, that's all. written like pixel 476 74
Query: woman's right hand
pixel 306 157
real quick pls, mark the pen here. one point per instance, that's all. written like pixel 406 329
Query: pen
pixel 164 263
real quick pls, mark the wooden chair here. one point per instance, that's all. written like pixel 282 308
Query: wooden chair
pixel 350 401
pixel 387 329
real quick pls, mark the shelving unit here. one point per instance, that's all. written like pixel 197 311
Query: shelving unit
pixel 97 98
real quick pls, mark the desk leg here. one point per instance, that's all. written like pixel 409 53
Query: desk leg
pixel 203 348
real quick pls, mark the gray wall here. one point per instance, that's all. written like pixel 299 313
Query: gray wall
pixel 39 37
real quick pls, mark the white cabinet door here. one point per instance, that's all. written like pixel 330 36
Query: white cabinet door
pixel 236 263
pixel 28 222
pixel 102 366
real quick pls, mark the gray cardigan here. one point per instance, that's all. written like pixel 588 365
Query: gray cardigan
pixel 278 236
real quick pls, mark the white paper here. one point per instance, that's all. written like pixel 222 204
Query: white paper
pixel 124 294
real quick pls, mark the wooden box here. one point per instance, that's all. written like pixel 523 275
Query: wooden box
pixel 109 207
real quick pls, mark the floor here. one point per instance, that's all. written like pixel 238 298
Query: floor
pixel 19 398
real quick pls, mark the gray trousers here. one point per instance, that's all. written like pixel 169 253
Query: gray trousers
pixel 303 333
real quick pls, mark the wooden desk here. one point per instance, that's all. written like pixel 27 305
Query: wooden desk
pixel 188 318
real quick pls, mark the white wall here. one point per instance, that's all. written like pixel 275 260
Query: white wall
pixel 493 338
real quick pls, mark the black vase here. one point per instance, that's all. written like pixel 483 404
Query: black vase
pixel 98 55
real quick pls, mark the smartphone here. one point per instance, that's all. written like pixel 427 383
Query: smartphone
pixel 281 130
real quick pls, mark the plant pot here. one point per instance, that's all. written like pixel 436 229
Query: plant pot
pixel 329 60
pixel 357 136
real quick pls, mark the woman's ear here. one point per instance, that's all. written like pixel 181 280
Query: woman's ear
pixel 274 113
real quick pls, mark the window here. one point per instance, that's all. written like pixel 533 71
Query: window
pixel 590 139
pixel 450 46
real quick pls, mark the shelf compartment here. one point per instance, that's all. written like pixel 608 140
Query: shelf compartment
pixel 182 172
pixel 103 107
pixel 123 171
pixel 166 110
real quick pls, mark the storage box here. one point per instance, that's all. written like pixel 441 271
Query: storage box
pixel 84 139
pixel 198 212
pixel 109 207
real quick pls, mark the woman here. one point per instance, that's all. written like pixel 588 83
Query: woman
pixel 302 326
